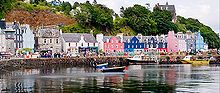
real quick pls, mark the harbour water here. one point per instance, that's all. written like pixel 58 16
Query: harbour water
pixel 181 78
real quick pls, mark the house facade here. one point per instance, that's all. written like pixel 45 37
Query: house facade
pixel 28 36
pixel 99 39
pixel 48 39
pixel 199 42
pixel 2 41
pixel 162 44
pixel 158 43
pixel 79 43
pixel 172 44
pixel 113 44
pixel 190 42
pixel 181 41
pixel 18 34
pixel 10 37
pixel 132 43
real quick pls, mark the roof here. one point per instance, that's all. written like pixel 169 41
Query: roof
pixel 105 38
pixel 2 24
pixel 125 38
pixel 48 32
pixel 76 37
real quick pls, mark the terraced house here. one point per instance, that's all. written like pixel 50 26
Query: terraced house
pixel 73 43
pixel 48 39
pixel 133 44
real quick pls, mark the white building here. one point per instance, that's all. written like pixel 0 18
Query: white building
pixel 28 36
pixel 78 43
pixel 181 38
pixel 99 38
pixel 2 41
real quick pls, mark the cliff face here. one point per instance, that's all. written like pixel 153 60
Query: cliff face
pixel 37 18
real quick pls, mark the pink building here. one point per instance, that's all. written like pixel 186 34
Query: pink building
pixel 172 45
pixel 113 44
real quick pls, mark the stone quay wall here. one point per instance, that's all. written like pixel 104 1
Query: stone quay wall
pixel 49 62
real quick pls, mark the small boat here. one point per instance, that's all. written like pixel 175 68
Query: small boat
pixel 190 60
pixel 114 69
pixel 141 59
pixel 101 66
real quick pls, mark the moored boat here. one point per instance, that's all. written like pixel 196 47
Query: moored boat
pixel 141 59
pixel 114 69
pixel 101 66
pixel 190 60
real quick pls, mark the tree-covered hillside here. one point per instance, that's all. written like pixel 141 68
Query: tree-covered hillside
pixel 97 18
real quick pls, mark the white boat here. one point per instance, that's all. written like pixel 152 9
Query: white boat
pixel 141 59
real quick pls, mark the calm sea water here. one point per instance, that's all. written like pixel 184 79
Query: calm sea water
pixel 137 79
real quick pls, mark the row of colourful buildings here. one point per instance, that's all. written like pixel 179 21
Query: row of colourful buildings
pixel 15 37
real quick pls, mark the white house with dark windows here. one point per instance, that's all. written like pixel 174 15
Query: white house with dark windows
pixel 79 43
pixel 28 36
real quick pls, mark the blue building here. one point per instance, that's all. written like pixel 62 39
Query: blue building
pixel 199 42
pixel 131 43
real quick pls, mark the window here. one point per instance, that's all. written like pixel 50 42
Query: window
pixel 50 40
pixel 76 44
pixel 45 40
pixel 57 41
pixel 69 44
pixel 93 44
pixel 116 46
pixel 88 44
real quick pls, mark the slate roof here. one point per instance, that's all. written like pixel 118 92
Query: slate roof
pixel 76 37
pixel 105 38
pixel 48 32
pixel 125 38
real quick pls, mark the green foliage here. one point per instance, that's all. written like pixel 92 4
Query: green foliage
pixel 140 20
pixel 75 28
pixel 30 7
pixel 163 18
pixel 95 15
pixel 5 6
pixel 66 8
pixel 37 1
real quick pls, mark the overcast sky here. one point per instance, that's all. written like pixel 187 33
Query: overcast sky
pixel 206 11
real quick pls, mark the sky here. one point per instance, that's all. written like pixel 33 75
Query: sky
pixel 206 11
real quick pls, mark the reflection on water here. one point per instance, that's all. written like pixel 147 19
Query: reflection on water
pixel 138 78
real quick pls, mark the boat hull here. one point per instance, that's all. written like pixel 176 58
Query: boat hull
pixel 101 66
pixel 196 62
pixel 113 69
pixel 140 62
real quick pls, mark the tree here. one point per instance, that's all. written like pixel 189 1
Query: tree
pixel 37 1
pixel 97 16
pixel 163 18
pixel 66 8
pixel 5 6
pixel 140 20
